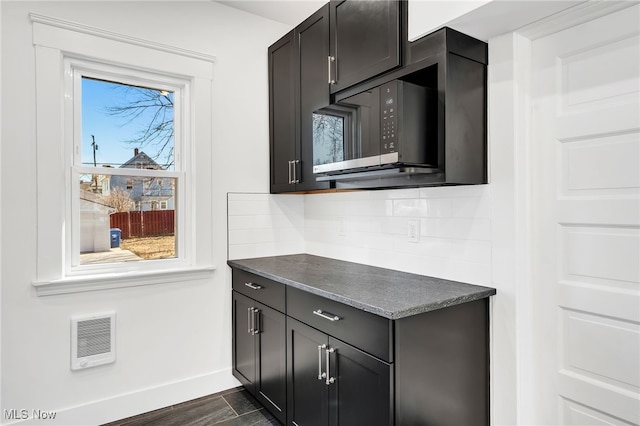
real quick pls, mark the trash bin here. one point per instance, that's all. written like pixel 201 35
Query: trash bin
pixel 115 237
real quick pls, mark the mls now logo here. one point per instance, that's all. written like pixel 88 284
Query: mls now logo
pixel 23 414
pixel 16 414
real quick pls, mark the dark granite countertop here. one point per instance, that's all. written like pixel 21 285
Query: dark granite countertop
pixel 385 292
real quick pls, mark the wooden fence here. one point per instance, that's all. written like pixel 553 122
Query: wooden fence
pixel 144 223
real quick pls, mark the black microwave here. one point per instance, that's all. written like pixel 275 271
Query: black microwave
pixel 390 126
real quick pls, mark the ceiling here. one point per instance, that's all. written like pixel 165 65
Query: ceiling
pixel 290 12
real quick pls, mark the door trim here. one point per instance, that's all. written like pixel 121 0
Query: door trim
pixel 514 51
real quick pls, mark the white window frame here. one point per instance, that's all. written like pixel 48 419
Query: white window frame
pixel 75 71
pixel 64 53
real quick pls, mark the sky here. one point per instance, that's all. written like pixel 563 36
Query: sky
pixel 109 131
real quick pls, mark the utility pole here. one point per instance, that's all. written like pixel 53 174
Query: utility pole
pixel 94 145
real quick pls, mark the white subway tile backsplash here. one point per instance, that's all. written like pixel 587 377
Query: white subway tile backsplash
pixel 458 228
pixel 410 207
pixel 473 207
pixel 371 227
pixel 439 207
pixel 239 196
pixel 247 207
pixel 245 251
pixel 264 225
pixel 463 191
pixel 395 194
pixel 470 251
pixel 365 207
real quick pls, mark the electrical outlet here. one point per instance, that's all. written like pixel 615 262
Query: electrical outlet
pixel 413 231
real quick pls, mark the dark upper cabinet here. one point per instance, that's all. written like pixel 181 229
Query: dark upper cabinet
pixel 346 49
pixel 312 48
pixel 298 85
pixel 365 40
pixel 282 113
pixel 364 37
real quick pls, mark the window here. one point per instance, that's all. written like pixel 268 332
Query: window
pixel 125 150
pixel 69 58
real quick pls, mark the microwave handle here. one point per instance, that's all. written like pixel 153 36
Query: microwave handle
pixel 330 59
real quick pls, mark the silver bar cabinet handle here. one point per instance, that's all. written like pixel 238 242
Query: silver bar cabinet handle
pixel 253 286
pixel 295 171
pixel 326 315
pixel 249 320
pixel 321 375
pixel 329 60
pixel 256 321
pixel 330 379
pixel 290 180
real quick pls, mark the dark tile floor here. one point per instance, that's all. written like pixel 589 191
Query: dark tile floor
pixel 233 407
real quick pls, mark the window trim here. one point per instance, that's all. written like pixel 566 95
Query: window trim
pixel 57 41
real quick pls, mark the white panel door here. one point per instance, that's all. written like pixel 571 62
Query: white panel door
pixel 586 207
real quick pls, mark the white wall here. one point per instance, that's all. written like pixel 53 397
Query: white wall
pixel 173 340
pixel 426 16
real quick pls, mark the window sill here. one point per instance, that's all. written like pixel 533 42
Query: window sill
pixel 119 280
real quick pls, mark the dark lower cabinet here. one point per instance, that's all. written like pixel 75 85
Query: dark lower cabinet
pixel 308 396
pixel 333 383
pixel 259 352
pixel 309 360
pixel 244 342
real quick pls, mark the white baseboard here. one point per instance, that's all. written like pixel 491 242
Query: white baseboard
pixel 140 401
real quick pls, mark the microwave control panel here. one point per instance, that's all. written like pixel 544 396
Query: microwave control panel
pixel 389 117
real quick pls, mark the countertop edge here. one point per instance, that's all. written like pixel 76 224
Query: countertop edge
pixel 363 306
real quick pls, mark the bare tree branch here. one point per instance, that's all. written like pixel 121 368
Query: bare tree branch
pixel 153 109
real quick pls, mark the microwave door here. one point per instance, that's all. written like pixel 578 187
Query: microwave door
pixel 366 126
pixel 346 135
pixel 332 136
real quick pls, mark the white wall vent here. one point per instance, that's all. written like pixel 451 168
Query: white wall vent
pixel 93 340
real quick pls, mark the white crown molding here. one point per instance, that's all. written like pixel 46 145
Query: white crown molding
pixel 110 35
pixel 576 15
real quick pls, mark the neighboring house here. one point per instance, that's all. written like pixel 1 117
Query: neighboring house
pixel 99 184
pixel 94 223
pixel 146 193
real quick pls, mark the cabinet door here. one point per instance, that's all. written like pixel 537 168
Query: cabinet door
pixel 307 395
pixel 271 372
pixel 365 39
pixel 312 46
pixel 362 391
pixel 243 345
pixel 282 113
